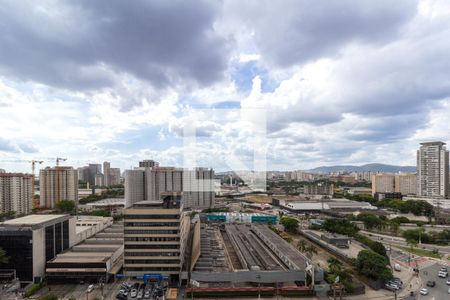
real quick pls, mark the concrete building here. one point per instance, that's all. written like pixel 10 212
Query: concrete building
pixel 114 176
pixel 148 163
pixel 31 241
pixel 100 180
pixel 83 174
pixel 196 186
pixel 383 183
pixel 93 169
pixel 406 184
pixel 106 173
pixel 433 170
pixel 319 189
pixel 155 236
pixel 56 184
pixel 16 193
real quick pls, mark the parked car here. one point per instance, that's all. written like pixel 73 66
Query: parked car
pixel 133 293
pixel 121 297
pixel 90 288
pixel 448 282
pixel 431 283
pixel 423 291
pixel 442 274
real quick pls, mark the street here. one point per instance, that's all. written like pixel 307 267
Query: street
pixel 440 291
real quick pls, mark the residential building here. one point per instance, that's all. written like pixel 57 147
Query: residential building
pixel 106 173
pixel 433 170
pixel 147 183
pixel 83 174
pixel 406 184
pixel 148 163
pixel 114 176
pixel 100 180
pixel 93 169
pixel 31 241
pixel 16 193
pixel 318 189
pixel 155 236
pixel 383 183
pixel 56 184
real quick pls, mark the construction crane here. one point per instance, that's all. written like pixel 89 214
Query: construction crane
pixel 58 159
pixel 33 164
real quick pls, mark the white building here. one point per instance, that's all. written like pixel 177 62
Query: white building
pixel 16 193
pixel 432 170
pixel 406 184
pixel 56 184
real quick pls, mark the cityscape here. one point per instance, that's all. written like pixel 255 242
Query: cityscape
pixel 225 150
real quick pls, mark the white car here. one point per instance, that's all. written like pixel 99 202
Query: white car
pixel 448 282
pixel 449 291
pixel 424 291
pixel 90 288
pixel 442 274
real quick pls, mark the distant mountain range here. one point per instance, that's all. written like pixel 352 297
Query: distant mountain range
pixel 365 168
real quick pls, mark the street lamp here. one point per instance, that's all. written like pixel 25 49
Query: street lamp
pixel 259 285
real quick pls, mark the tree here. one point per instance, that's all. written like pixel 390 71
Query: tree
pixel 66 206
pixel 290 224
pixel 334 265
pixel 49 297
pixel 373 265
pixel 370 221
pixel 3 258
pixel 379 248
pixel 302 245
pixel 311 249
pixel 341 226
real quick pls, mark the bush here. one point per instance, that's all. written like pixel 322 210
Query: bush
pixel 49 297
pixel 289 224
pixel 33 289
pixel 373 265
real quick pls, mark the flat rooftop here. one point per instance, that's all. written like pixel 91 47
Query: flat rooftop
pixel 33 220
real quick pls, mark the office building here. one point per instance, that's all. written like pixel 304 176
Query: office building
pixel 148 163
pixel 83 174
pixel 196 186
pixel 16 193
pixel 56 184
pixel 432 170
pixel 33 240
pixel 383 183
pixel 406 184
pixel 100 180
pixel 155 235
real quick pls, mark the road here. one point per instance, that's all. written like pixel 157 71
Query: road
pixel 440 291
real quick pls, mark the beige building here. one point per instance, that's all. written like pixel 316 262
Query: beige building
pixel 146 183
pixel 56 184
pixel 16 193
pixel 114 176
pixel 155 236
pixel 406 184
pixel 383 183
pixel 433 170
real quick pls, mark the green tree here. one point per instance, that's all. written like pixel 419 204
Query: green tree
pixel 334 265
pixel 49 297
pixel 373 265
pixel 302 245
pixel 3 258
pixel 370 221
pixel 66 206
pixel 290 224
pixel 379 248
pixel 341 226
pixel 310 250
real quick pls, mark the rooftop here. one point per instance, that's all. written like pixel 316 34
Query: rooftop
pixel 33 219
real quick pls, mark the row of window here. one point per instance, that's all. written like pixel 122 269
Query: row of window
pixel 152 253
pixel 151 217
pixel 151 261
pixel 152 246
pixel 151 239
pixel 151 224
pixel 153 269
pixel 151 231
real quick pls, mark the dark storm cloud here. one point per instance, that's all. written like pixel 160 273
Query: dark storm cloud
pixel 83 44
pixel 295 31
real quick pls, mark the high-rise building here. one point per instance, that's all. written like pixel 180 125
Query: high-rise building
pixel 94 169
pixel 16 193
pixel 406 184
pixel 432 170
pixel 148 163
pixel 2 171
pixel 106 173
pixel 99 180
pixel 83 173
pixel 383 183
pixel 155 235
pixel 196 186
pixel 114 176
pixel 56 184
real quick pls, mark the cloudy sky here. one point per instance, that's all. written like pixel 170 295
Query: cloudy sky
pixel 337 82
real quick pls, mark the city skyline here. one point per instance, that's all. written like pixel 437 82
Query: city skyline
pixel 119 91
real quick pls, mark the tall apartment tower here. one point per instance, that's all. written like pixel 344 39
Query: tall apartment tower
pixel 56 184
pixel 114 176
pixel 147 183
pixel 106 173
pixel 16 193
pixel 155 236
pixel 432 170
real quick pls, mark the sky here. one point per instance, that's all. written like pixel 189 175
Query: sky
pixel 291 84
